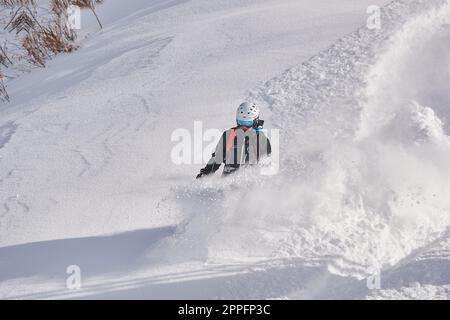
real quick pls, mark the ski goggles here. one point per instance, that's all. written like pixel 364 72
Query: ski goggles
pixel 245 123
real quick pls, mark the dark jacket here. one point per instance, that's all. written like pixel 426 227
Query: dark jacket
pixel 236 148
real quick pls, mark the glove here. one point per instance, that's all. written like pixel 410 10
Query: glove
pixel 200 175
pixel 209 169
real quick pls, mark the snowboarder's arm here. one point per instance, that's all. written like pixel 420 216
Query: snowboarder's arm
pixel 214 163
pixel 210 168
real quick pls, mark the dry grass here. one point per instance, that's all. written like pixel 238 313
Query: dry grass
pixel 13 3
pixel 3 93
pixel 4 59
pixel 36 53
pixel 56 40
pixel 39 40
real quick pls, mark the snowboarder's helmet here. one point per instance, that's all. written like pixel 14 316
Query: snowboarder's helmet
pixel 247 114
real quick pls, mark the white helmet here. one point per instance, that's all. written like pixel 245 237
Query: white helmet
pixel 247 114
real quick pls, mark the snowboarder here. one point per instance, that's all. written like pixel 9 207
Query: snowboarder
pixel 242 145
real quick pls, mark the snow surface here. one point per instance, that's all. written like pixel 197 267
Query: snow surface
pixel 86 175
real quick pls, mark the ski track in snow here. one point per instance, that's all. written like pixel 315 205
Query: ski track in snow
pixel 333 216
pixel 6 131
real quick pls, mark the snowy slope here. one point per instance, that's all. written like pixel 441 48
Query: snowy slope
pixel 375 153
pixel 86 176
